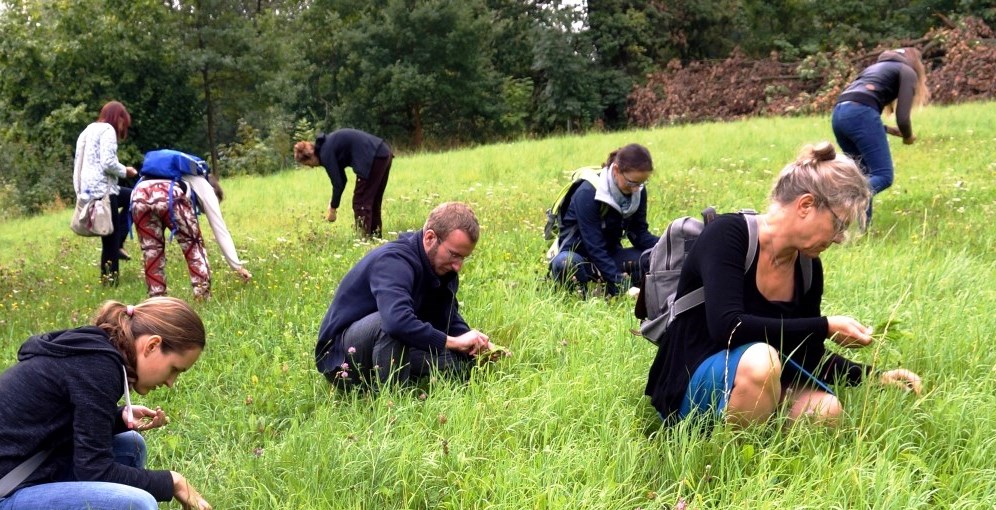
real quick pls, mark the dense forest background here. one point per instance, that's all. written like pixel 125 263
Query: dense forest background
pixel 239 81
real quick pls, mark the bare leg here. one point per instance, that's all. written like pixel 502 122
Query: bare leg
pixel 820 406
pixel 756 386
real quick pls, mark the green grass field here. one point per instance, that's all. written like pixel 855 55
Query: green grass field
pixel 563 423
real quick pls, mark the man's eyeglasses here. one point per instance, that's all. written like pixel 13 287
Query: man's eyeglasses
pixel 454 255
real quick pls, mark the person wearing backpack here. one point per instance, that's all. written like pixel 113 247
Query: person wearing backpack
pixel 897 82
pixel 96 173
pixel 370 157
pixel 758 339
pixel 174 188
pixel 64 441
pixel 605 207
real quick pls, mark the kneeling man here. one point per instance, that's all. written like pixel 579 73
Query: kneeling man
pixel 395 314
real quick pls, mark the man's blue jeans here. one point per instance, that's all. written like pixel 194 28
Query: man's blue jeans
pixel 129 449
pixel 861 135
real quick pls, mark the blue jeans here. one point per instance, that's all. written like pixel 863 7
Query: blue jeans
pixel 861 135
pixel 568 264
pixel 129 449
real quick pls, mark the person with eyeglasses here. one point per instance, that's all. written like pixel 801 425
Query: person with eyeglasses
pixel 395 315
pixel 602 210
pixel 757 342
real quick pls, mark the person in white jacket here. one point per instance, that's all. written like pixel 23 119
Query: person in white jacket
pixel 96 172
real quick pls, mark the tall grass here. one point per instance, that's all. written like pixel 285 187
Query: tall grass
pixel 563 423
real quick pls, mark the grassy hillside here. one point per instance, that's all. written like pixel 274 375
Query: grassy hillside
pixel 563 423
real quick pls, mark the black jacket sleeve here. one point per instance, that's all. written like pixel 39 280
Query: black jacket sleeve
pixel 94 396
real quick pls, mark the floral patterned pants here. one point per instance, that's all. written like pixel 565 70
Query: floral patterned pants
pixel 150 210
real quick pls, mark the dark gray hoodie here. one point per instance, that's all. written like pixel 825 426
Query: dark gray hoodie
pixel 63 392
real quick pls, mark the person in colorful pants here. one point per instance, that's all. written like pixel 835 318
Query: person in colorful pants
pixel 154 210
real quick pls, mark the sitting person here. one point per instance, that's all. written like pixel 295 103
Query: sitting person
pixel 395 314
pixel 600 212
pixel 159 205
pixel 758 340
pixel 64 442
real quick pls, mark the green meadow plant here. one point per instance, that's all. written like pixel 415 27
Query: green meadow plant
pixel 562 422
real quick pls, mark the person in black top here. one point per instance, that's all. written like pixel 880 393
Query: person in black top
pixel 396 315
pixel 758 340
pixel 370 158
pixel 60 409
pixel 609 205
pixel 896 83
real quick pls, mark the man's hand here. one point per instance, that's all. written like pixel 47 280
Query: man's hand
pixel 847 332
pixel 893 130
pixel 909 140
pixel 130 171
pixel 471 342
pixel 143 418
pixel 330 215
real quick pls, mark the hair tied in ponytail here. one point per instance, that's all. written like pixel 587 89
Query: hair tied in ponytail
pixel 824 152
pixel 130 310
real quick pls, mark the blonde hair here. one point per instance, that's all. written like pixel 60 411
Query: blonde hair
pixel 913 58
pixel 834 180
pixel 172 319
pixel 450 216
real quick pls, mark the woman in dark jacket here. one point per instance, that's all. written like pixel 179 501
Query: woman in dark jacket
pixel 610 204
pixel 64 442
pixel 896 83
pixel 758 340
pixel 370 158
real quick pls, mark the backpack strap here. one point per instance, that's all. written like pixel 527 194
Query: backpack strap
pixel 697 296
pixel 19 474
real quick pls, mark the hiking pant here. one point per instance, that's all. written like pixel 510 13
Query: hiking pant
pixel 368 196
pixel 110 245
pixel 373 357
pixel 861 135
pixel 150 210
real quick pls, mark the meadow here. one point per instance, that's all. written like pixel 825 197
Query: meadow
pixel 563 422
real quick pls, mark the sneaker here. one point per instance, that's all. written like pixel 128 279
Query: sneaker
pixel 123 255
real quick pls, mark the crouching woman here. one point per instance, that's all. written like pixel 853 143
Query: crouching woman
pixel 64 442
pixel 757 342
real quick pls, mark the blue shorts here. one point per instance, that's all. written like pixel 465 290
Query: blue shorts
pixel 706 390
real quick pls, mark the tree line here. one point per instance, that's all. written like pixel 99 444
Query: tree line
pixel 237 81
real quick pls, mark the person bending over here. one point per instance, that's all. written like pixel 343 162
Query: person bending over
pixel 370 158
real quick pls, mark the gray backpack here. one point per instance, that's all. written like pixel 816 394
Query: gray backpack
pixel 658 304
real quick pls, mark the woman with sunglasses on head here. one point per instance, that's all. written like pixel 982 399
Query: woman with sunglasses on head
pixel 897 82
pixel 757 342
pixel 64 441
pixel 601 211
